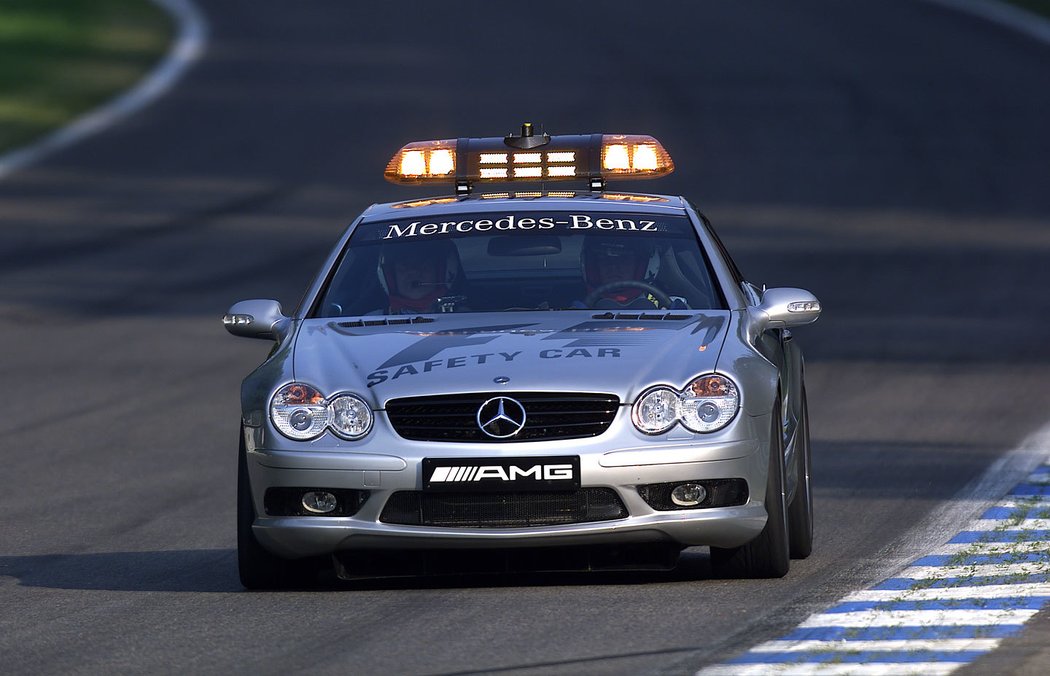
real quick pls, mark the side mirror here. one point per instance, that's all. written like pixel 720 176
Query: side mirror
pixel 256 319
pixel 784 308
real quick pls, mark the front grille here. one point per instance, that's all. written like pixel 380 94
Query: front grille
pixel 502 510
pixel 547 416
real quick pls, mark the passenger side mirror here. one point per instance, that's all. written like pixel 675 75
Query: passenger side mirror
pixel 256 319
pixel 784 308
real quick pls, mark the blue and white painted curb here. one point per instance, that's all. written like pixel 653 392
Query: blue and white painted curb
pixel 950 607
pixel 187 48
pixel 940 613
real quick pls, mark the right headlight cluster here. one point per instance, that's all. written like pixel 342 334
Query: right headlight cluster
pixel 706 404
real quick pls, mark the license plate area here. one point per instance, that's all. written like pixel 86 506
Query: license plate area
pixel 560 473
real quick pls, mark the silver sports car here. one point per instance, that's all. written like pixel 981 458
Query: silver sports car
pixel 544 378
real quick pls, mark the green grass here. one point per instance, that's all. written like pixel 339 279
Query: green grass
pixel 61 58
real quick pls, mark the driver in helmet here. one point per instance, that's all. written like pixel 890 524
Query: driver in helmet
pixel 417 275
pixel 618 270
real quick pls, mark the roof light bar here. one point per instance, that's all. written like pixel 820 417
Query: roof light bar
pixel 592 158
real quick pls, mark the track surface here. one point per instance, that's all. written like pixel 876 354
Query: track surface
pixel 889 156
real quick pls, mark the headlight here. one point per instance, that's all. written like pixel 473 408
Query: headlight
pixel 351 417
pixel 708 403
pixel 656 411
pixel 301 412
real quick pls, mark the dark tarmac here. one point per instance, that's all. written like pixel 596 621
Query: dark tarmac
pixel 892 157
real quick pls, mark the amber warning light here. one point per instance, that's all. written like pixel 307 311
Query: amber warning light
pixel 529 157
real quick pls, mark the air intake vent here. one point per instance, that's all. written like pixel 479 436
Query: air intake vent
pixel 502 510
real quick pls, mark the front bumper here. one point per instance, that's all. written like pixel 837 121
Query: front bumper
pixel 622 467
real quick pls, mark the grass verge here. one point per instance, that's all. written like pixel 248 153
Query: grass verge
pixel 61 58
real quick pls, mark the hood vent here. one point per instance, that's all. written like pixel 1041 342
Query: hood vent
pixel 385 321
pixel 643 316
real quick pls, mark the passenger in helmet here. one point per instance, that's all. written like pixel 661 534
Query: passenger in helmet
pixel 415 275
pixel 607 261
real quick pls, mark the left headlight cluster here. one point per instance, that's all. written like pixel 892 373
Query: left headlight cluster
pixel 707 404
pixel 301 412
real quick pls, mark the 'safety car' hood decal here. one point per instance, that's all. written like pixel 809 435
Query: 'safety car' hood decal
pixel 539 351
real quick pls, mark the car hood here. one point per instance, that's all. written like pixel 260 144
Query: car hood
pixel 391 357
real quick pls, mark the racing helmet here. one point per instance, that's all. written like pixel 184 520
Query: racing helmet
pixel 638 261
pixel 438 258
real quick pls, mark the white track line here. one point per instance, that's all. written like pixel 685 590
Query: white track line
pixel 832 669
pixel 991 591
pixel 191 36
pixel 981 570
pixel 920 618
pixel 1008 524
pixel 948 645
pixel 988 548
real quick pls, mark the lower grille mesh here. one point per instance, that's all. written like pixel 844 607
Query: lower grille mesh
pixel 503 510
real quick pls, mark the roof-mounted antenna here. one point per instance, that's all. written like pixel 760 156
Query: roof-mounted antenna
pixel 528 139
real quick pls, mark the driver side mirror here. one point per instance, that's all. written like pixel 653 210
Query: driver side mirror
pixel 256 319
pixel 784 308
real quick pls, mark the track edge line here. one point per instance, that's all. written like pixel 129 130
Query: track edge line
pixel 186 49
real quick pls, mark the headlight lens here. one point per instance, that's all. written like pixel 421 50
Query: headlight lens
pixel 300 412
pixel 656 411
pixel 708 403
pixel 351 416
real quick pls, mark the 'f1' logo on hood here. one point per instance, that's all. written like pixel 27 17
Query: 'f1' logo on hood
pixel 431 345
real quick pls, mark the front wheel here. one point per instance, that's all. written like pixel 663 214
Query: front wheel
pixel 258 568
pixel 768 554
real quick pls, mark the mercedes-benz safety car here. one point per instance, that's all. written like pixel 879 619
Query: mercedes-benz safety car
pixel 567 377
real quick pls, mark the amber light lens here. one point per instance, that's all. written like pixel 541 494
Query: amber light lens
pixel 634 156
pixel 710 386
pixel 301 394
pixel 423 162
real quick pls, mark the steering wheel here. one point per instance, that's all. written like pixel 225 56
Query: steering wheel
pixel 660 296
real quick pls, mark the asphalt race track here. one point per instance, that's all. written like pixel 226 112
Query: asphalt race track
pixel 892 157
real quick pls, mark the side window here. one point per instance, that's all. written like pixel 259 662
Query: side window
pixel 737 275
pixel 752 294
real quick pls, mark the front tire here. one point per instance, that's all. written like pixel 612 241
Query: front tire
pixel 258 568
pixel 800 511
pixel 766 556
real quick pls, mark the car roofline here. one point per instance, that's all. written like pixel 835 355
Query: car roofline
pixel 427 206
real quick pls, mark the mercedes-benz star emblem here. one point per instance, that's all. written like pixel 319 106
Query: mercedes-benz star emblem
pixel 501 417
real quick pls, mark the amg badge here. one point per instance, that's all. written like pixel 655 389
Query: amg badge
pixel 506 474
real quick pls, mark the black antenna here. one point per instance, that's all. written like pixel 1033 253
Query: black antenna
pixel 528 139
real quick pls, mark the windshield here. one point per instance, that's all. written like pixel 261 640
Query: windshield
pixel 504 262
